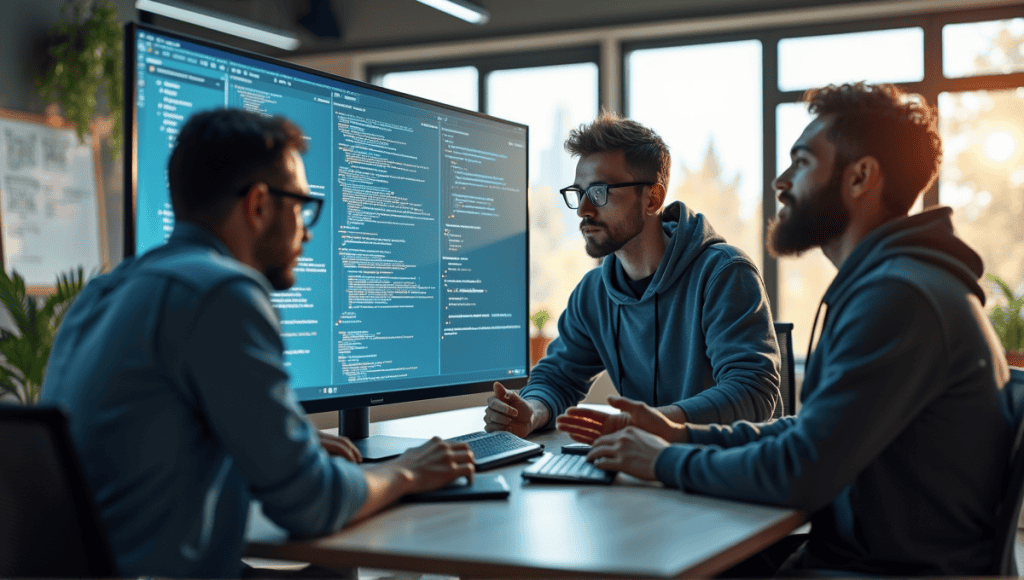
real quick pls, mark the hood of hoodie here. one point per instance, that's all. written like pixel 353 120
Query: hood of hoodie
pixel 689 235
pixel 927 237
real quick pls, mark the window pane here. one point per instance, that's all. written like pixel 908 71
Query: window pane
pixel 451 86
pixel 875 56
pixel 980 48
pixel 712 124
pixel 803 280
pixel 982 176
pixel 551 100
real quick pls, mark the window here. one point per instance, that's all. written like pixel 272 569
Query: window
pixel 980 48
pixel 712 124
pixel 877 56
pixel 451 86
pixel 983 175
pixel 551 100
pixel 708 102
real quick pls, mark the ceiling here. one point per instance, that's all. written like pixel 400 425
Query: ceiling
pixel 369 24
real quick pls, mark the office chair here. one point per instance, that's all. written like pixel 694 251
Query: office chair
pixel 787 376
pixel 1013 493
pixel 49 526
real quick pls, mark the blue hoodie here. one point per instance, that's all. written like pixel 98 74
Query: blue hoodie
pixel 900 447
pixel 700 337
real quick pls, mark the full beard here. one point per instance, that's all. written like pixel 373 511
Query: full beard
pixel 812 223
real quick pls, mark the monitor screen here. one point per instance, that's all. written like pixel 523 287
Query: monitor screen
pixel 415 284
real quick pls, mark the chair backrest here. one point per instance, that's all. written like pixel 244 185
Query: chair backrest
pixel 787 384
pixel 1013 493
pixel 49 526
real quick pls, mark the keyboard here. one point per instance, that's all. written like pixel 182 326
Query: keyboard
pixel 491 450
pixel 567 468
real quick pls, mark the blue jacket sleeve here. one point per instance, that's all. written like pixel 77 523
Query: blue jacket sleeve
pixel 742 348
pixel 234 363
pixel 804 462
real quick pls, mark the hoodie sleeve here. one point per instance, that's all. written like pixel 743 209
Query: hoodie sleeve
pixel 805 461
pixel 235 363
pixel 563 377
pixel 741 346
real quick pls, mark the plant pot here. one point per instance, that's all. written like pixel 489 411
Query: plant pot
pixel 1015 358
pixel 538 347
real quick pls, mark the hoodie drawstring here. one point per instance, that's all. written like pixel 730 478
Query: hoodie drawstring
pixel 618 351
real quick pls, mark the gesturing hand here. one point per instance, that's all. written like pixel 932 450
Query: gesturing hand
pixel 507 411
pixel 586 425
pixel 340 446
pixel 631 450
pixel 436 463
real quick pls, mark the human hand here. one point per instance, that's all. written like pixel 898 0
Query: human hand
pixel 435 464
pixel 340 446
pixel 631 450
pixel 586 425
pixel 507 411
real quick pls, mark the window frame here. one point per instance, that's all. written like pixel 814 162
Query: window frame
pixel 589 50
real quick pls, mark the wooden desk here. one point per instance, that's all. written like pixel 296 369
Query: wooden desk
pixel 630 529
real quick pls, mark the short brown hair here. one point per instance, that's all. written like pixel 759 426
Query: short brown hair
pixel 646 153
pixel 220 152
pixel 886 123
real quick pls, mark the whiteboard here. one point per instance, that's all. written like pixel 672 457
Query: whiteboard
pixel 52 218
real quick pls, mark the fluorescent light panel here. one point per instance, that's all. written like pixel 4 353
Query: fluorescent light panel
pixel 221 23
pixel 460 9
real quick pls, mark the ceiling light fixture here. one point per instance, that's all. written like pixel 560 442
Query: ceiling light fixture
pixel 220 22
pixel 463 9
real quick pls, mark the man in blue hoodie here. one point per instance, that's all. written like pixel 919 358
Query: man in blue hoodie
pixel 677 317
pixel 171 371
pixel 899 451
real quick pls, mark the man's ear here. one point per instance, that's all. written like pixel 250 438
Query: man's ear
pixel 256 207
pixel 655 198
pixel 864 176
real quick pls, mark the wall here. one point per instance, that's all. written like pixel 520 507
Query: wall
pixel 23 27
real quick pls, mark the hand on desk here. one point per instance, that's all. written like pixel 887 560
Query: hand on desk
pixel 430 466
pixel 631 450
pixel 586 425
pixel 340 446
pixel 507 411
pixel 436 463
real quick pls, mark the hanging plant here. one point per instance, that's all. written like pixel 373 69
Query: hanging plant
pixel 82 59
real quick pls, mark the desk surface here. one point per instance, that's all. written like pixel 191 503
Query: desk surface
pixel 631 529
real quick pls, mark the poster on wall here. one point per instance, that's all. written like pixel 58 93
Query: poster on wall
pixel 52 218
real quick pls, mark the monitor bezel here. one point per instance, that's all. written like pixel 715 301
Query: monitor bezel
pixel 339 402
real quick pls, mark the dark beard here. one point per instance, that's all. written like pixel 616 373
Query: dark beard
pixel 269 251
pixel 613 243
pixel 811 223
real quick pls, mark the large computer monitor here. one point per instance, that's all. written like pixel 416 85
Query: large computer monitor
pixel 415 284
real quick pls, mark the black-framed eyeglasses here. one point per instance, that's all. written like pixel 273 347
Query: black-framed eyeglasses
pixel 598 193
pixel 310 208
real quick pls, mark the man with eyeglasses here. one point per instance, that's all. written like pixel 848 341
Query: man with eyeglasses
pixel 678 317
pixel 171 371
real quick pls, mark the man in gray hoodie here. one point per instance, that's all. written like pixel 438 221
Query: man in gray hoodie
pixel 899 451
pixel 677 317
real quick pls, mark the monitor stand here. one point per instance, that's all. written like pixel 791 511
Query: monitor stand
pixel 355 424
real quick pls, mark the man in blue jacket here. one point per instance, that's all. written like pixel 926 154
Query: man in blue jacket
pixel 171 371
pixel 677 317
pixel 899 450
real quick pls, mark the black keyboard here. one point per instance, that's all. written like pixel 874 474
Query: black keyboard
pixel 493 449
pixel 567 468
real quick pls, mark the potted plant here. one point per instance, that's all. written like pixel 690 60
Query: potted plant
pixel 26 347
pixel 1008 322
pixel 82 60
pixel 539 343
